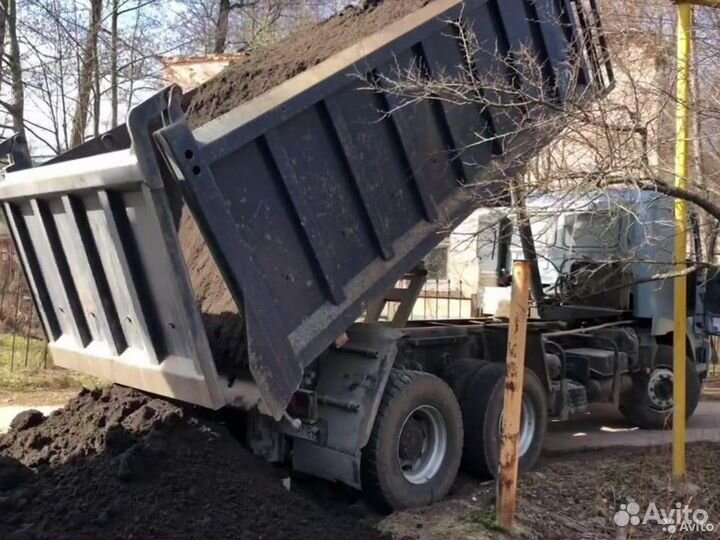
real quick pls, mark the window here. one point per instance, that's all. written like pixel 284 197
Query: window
pixel 591 229
pixel 543 230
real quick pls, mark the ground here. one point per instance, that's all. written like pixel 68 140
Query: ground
pixel 32 398
pixel 591 465
pixel 574 497
pixel 711 390
pixel 573 493
pixel 28 376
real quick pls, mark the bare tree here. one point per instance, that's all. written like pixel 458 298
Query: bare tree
pixel 114 43
pixel 223 21
pixel 3 25
pixel 223 25
pixel 16 107
pixel 53 39
pixel 87 72
pixel 585 152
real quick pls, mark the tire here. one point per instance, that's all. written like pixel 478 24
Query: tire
pixel 397 470
pixel 460 373
pixel 642 409
pixel 482 410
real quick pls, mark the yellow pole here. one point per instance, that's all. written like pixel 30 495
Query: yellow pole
pixel 682 136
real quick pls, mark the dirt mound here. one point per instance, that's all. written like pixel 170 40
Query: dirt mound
pixel 115 463
pixel 264 69
pixel 260 71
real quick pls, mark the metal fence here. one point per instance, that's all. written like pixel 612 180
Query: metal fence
pixel 22 340
pixel 440 299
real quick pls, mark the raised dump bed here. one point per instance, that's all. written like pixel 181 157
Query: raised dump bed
pixel 314 198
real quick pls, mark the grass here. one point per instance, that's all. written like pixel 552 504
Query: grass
pixel 485 519
pixel 30 369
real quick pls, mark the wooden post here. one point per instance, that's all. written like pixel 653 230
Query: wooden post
pixel 510 437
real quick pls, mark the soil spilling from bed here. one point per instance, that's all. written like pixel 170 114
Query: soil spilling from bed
pixel 115 463
pixel 257 73
pixel 265 69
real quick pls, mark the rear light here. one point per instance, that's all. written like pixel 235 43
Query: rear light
pixel 303 405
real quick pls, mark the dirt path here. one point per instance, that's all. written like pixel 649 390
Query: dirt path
pixel 711 389
pixel 28 398
pixel 603 426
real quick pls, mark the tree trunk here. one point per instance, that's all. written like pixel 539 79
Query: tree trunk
pixel 87 71
pixel 17 108
pixel 96 99
pixel 3 18
pixel 221 29
pixel 114 64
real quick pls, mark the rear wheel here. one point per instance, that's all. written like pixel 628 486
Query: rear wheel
pixel 414 451
pixel 482 410
pixel 649 403
pixel 460 374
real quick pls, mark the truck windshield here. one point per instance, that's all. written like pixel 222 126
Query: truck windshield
pixel 591 229
pixel 543 229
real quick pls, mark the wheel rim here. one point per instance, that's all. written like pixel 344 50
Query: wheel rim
pixel 660 389
pixel 528 422
pixel 422 444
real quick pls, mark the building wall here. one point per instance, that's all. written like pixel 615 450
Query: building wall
pixel 189 72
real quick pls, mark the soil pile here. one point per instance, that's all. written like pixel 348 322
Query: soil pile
pixel 257 73
pixel 263 69
pixel 223 319
pixel 115 463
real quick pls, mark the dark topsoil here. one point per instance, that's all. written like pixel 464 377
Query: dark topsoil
pixel 264 69
pixel 115 463
pixel 260 71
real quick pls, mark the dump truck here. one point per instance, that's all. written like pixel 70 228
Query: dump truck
pixel 605 269
pixel 315 199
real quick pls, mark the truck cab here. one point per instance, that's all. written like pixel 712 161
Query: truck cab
pixel 607 258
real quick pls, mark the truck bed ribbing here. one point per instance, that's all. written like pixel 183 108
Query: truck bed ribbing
pixel 312 201
pixel 259 71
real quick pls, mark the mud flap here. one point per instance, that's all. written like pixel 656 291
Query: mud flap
pixel 350 387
